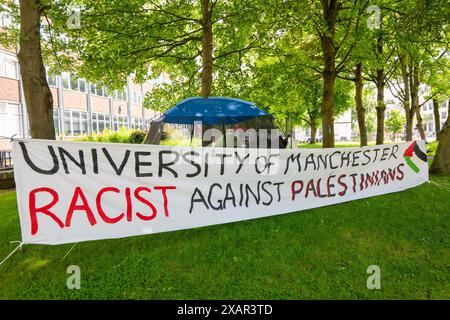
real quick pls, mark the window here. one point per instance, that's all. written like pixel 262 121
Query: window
pixel 93 88
pixel 51 79
pixel 82 85
pixel 136 97
pixel 75 122
pixel 8 66
pixel 73 82
pixel 5 19
pixel 65 77
pixel 100 122
pixel 137 123
pixel 84 123
pixel 67 123
pixel 94 123
pixel 98 90
pixel 121 95
pixel 120 121
pixel 10 69
pixel 107 121
pixel 10 123
pixel 56 120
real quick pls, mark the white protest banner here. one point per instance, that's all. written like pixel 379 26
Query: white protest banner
pixel 78 191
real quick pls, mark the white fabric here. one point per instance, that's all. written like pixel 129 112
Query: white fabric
pixel 323 177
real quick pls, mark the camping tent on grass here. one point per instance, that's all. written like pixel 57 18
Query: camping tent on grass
pixel 215 115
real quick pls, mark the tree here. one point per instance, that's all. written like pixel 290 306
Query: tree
pixel 441 161
pixel 395 122
pixel 361 112
pixel 355 73
pixel 437 80
pixel 38 97
pixel 201 45
pixel 421 43
pixel 381 59
pixel 331 24
pixel 282 85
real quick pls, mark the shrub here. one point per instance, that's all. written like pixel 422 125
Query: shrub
pixel 123 135
pixel 138 136
pixel 431 148
pixel 168 133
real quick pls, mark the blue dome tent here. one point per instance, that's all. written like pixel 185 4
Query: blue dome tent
pixel 215 112
pixel 212 111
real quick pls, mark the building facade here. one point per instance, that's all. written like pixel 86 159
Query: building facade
pixel 79 106
pixel 342 129
pixel 427 113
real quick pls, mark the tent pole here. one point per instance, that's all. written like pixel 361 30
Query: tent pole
pixel 224 136
pixel 290 120
pixel 192 135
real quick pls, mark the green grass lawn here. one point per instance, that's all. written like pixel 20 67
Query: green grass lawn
pixel 321 253
pixel 431 148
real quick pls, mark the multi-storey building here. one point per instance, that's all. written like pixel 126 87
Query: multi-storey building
pixel 427 113
pixel 79 106
pixel 342 129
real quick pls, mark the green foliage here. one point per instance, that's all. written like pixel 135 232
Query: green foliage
pixel 284 87
pixel 148 39
pixel 123 135
pixel 432 147
pixel 9 34
pixel 371 123
pixel 395 122
pixel 269 52
pixel 138 136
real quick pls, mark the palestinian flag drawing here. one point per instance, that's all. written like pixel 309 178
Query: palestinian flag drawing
pixel 409 153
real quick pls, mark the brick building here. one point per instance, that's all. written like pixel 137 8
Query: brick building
pixel 80 107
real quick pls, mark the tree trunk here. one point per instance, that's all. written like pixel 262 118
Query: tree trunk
pixel 207 50
pixel 313 133
pixel 420 124
pixel 437 118
pixel 407 97
pixel 330 9
pixel 381 78
pixel 441 161
pixel 361 112
pixel 414 90
pixel 381 106
pixel 38 97
pixel 328 110
pixel 408 120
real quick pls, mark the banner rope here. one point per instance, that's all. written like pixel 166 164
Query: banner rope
pixel 69 251
pixel 443 186
pixel 14 251
pixel 11 139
